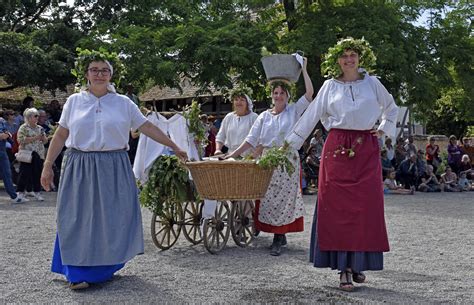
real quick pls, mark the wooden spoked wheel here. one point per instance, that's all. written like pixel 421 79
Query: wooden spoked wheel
pixel 165 228
pixel 242 225
pixel 216 229
pixel 192 214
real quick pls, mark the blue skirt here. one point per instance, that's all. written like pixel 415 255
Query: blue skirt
pixel 77 274
pixel 358 261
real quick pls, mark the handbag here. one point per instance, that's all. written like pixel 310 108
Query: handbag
pixel 24 155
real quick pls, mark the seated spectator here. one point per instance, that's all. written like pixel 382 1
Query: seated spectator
pixel 454 154
pixel 390 186
pixel 421 164
pixel 410 147
pixel 466 167
pixel 450 181
pixel 407 172
pixel 429 181
pixel 432 154
pixel 386 164
pixel 400 153
pixel 390 151
pixel 464 183
pixel 312 166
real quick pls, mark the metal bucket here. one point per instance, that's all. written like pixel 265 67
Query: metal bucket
pixel 281 66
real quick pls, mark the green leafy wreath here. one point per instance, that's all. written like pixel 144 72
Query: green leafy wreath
pixel 86 56
pixel 367 59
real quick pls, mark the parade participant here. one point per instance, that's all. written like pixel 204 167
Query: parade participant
pixel 281 211
pixel 99 225
pixel 349 232
pixel 236 125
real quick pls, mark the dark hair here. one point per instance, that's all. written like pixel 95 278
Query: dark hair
pixel 27 101
pixel 280 84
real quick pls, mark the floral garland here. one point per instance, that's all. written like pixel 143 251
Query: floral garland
pixel 341 150
pixel 85 57
pixel 367 59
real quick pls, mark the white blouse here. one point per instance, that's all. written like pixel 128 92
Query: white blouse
pixel 100 124
pixel 271 129
pixel 353 105
pixel 234 129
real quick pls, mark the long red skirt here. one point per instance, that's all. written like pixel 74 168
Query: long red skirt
pixel 295 226
pixel 350 213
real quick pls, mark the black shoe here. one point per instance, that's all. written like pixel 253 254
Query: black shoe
pixel 276 245
pixel 276 249
pixel 256 232
pixel 283 240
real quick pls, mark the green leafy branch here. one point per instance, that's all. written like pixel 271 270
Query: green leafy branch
pixel 277 157
pixel 168 182
pixel 192 114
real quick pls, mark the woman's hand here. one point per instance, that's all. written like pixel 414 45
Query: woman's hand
pixel 218 152
pixel 47 176
pixel 305 63
pixel 181 154
pixel 377 133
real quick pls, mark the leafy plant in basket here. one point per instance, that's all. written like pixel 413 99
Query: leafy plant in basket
pixel 167 182
pixel 195 126
pixel 277 157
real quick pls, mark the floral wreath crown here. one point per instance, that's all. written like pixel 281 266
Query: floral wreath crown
pixel 240 91
pixel 367 59
pixel 86 56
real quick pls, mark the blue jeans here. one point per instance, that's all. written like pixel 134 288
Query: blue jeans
pixel 6 174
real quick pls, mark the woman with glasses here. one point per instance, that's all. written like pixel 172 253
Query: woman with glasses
pixel 31 137
pixel 99 224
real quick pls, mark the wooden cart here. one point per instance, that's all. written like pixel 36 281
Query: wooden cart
pixel 235 184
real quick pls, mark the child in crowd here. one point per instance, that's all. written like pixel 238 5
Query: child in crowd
pixel 464 183
pixel 391 186
pixel 429 181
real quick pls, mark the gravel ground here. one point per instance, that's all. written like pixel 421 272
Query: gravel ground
pixel 431 253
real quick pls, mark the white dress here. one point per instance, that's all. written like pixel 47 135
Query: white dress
pixel 234 129
pixel 283 202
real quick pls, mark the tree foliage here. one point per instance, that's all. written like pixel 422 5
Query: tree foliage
pixel 217 43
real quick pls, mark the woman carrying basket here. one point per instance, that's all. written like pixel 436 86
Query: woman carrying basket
pixel 349 232
pixel 281 211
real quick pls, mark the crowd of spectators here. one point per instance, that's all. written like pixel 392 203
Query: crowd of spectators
pixel 28 129
pixel 405 167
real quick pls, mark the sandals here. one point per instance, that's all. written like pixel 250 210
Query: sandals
pixel 347 284
pixel 78 286
pixel 358 277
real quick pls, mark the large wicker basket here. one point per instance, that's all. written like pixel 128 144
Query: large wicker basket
pixel 230 180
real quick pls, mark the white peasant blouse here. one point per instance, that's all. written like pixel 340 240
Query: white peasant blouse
pixel 100 124
pixel 271 129
pixel 352 105
pixel 234 129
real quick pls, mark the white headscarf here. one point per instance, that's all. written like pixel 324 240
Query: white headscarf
pixel 249 102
